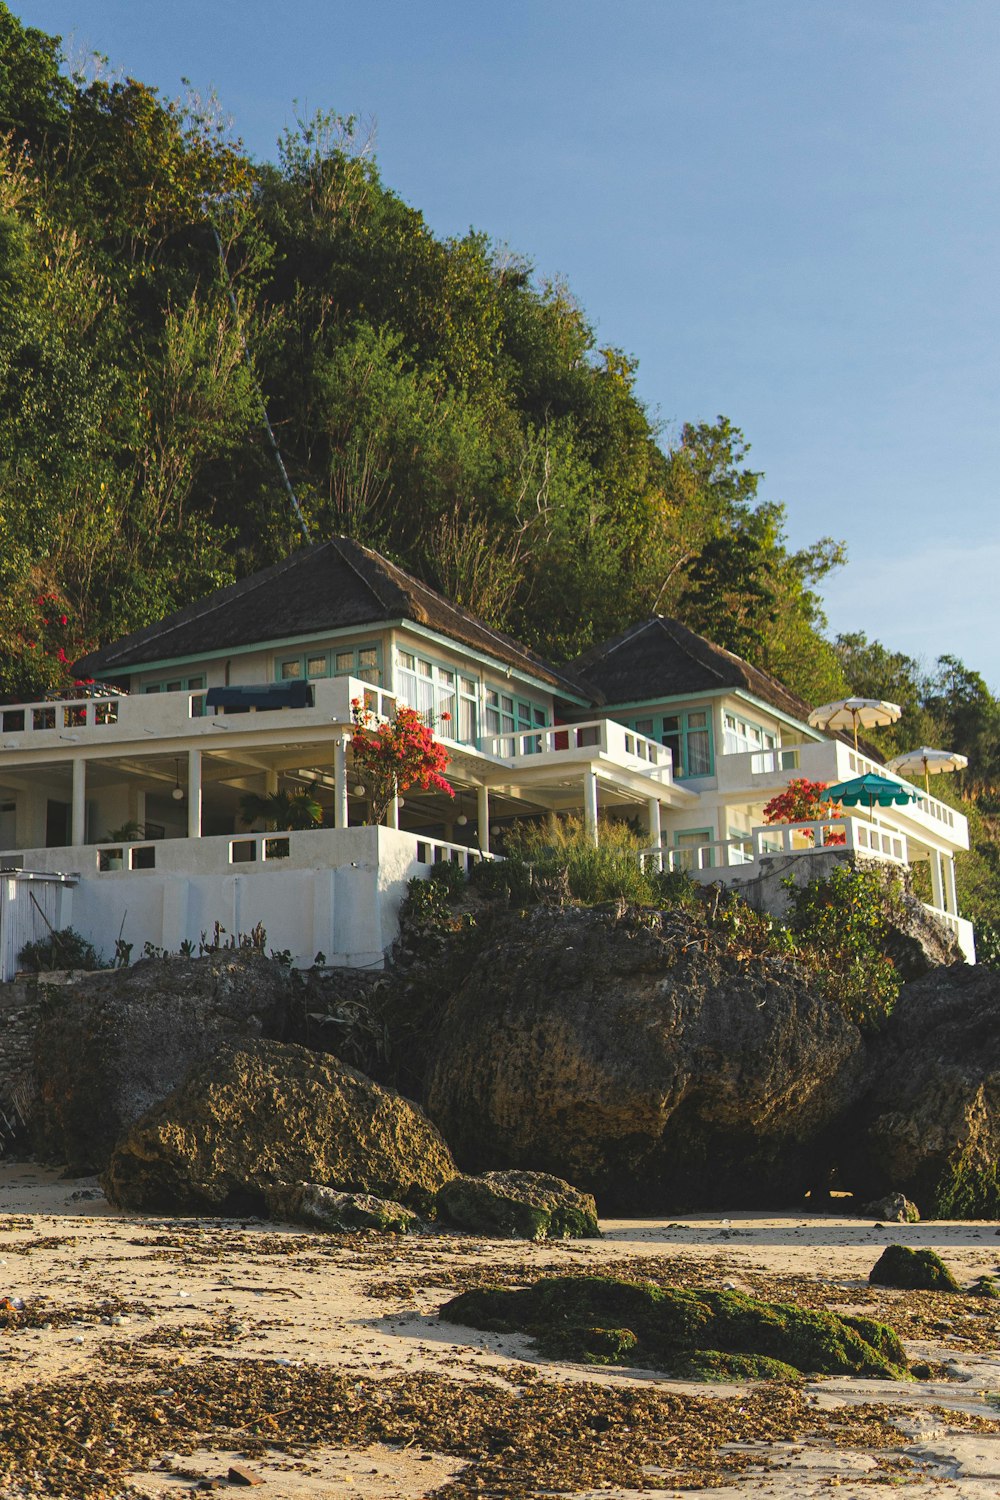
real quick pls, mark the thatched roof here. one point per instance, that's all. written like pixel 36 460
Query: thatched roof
pixel 330 586
pixel 661 658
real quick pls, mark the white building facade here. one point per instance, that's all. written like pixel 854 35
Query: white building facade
pixel 120 809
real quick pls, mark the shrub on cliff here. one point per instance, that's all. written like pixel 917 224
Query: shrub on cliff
pixel 841 924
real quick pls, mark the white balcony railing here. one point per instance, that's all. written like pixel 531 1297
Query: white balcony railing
pixel 145 717
pixel 718 855
pixel 581 741
pixel 765 772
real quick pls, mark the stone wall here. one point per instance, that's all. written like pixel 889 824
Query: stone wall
pixel 20 1001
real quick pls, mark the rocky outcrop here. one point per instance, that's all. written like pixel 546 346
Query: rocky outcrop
pixel 618 1053
pixel 930 1124
pixel 110 1045
pixel 916 942
pixel 325 1209
pixel 523 1205
pixel 263 1112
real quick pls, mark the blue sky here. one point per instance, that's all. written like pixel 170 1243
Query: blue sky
pixel 787 210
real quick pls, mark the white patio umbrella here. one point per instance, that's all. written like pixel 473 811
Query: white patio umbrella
pixel 912 762
pixel 855 713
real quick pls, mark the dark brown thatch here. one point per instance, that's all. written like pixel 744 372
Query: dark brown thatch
pixel 660 658
pixel 329 586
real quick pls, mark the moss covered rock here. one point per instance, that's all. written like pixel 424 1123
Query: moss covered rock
pixel 523 1205
pixel 912 1270
pixel 324 1208
pixel 267 1112
pixel 689 1334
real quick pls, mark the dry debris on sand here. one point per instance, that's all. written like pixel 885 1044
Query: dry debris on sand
pixel 158 1357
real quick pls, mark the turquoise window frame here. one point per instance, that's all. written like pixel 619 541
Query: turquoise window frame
pixel 741 719
pixel 523 715
pixel 662 736
pixel 703 835
pixel 329 655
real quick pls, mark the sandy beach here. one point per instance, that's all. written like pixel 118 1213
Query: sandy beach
pixel 156 1357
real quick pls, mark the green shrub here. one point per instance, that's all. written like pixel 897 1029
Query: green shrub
pixel 451 876
pixel 840 924
pixel 65 949
pixel 607 871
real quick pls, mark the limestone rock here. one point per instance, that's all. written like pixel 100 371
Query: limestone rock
pixel 616 1053
pixel 930 1124
pixel 265 1112
pixel 894 1208
pixel 110 1045
pixel 524 1205
pixel 912 1270
pixel 324 1208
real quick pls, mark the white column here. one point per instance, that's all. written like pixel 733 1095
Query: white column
pixel 340 816
pixel 194 794
pixel 270 782
pixel 937 884
pixel 951 894
pixel 655 829
pixel 590 803
pixel 392 816
pixel 483 816
pixel 78 834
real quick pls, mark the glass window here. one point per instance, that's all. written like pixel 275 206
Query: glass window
pixel 290 670
pixel 344 663
pixel 368 664
pixel 317 666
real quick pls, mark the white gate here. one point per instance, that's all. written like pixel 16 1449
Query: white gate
pixel 31 907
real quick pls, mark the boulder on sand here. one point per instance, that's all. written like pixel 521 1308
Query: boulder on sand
pixel 912 1270
pixel 111 1045
pixel 635 1057
pixel 266 1112
pixel 524 1205
pixel 325 1209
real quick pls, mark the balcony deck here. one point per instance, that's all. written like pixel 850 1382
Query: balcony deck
pixel 761 774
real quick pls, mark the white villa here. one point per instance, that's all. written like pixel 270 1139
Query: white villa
pixel 119 809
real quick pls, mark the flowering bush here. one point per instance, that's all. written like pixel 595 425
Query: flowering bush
pixel 802 801
pixel 397 755
pixel 40 638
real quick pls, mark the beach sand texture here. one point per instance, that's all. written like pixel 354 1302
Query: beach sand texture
pixel 158 1356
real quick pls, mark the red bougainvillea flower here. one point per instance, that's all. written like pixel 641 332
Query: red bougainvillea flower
pixel 802 801
pixel 395 755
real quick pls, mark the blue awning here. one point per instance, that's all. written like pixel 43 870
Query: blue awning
pixel 261 695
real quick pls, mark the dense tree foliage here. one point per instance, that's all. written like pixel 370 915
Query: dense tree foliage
pixel 431 397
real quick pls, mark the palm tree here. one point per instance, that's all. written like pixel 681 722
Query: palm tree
pixel 281 810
